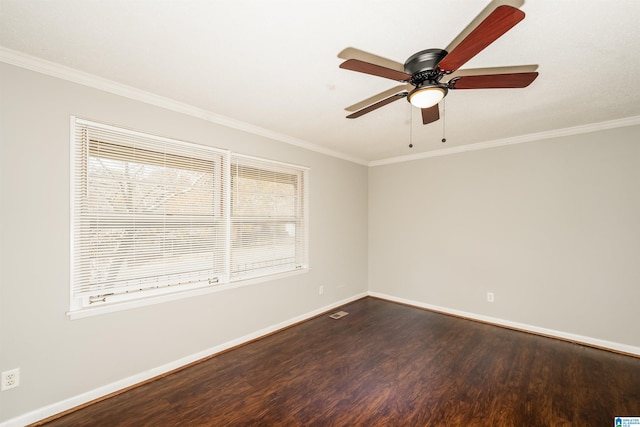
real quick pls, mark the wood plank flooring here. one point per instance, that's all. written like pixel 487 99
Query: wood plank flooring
pixel 385 364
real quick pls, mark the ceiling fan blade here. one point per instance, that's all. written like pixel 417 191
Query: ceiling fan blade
pixel 501 20
pixel 378 97
pixel 373 69
pixel 376 105
pixel 430 115
pixel 495 81
pixel 479 18
pixel 490 70
pixel 353 53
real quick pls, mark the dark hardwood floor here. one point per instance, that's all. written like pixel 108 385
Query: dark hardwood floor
pixel 385 364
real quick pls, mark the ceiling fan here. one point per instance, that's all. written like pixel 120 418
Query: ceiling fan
pixel 423 72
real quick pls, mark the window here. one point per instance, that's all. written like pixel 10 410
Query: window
pixel 153 216
pixel 268 226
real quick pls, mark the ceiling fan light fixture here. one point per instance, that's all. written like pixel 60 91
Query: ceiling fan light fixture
pixel 427 96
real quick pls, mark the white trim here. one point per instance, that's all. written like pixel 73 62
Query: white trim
pixel 72 402
pixel 556 133
pixel 39 65
pixel 72 202
pixel 139 134
pixel 49 68
pixel 580 339
pixel 274 162
pixel 227 210
pixel 81 307
pixel 173 295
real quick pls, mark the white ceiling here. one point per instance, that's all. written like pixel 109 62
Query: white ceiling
pixel 274 64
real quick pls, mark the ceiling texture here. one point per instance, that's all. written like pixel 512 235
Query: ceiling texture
pixel 272 66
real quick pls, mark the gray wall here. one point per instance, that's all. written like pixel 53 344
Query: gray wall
pixel 61 358
pixel 551 227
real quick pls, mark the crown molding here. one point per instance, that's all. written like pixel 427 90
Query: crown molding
pixel 70 74
pixel 576 130
pixel 54 69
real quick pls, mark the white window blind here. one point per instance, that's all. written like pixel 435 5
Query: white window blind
pixel 149 213
pixel 153 216
pixel 268 217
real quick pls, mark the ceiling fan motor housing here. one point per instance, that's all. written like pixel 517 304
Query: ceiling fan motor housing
pixel 423 66
pixel 425 76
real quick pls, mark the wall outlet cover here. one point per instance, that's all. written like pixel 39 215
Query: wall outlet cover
pixel 10 379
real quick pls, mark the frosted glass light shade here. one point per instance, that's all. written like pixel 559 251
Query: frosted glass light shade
pixel 426 97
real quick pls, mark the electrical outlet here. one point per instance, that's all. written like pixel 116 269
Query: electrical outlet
pixel 490 297
pixel 321 290
pixel 10 379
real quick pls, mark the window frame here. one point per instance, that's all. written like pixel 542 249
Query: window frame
pixel 109 303
pixel 272 174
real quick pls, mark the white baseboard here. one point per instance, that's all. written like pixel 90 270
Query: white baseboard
pixel 580 339
pixel 64 405
pixel 99 392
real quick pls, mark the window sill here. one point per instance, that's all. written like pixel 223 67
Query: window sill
pixel 176 295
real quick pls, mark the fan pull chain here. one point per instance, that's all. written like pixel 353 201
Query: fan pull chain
pixel 444 117
pixel 410 127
